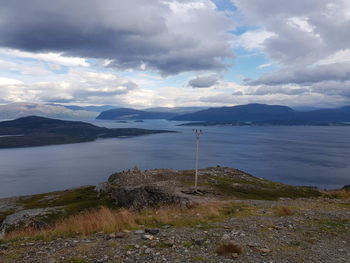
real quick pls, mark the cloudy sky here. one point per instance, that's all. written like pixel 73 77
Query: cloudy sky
pixel 141 53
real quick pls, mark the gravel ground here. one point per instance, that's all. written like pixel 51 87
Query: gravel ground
pixel 319 231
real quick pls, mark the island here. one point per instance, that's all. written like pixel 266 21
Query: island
pixel 39 131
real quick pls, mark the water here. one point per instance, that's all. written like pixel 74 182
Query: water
pixel 300 155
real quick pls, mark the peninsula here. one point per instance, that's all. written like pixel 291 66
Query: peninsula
pixel 39 131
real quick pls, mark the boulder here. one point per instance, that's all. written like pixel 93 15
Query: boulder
pixel 35 218
pixel 140 196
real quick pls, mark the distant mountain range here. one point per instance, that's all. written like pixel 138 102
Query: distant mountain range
pixel 17 110
pixel 86 108
pixel 267 113
pixel 39 131
pixel 260 114
pixel 132 114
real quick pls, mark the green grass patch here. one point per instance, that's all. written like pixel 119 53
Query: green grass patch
pixel 334 225
pixel 69 202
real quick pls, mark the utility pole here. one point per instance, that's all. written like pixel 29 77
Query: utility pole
pixel 197 133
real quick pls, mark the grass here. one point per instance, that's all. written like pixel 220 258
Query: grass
pixel 256 188
pixel 71 201
pixel 339 194
pixel 334 225
pixel 109 220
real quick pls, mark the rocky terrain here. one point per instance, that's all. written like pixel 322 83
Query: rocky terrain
pixel 156 216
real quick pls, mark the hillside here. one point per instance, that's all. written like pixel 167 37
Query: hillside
pixel 126 113
pixel 167 221
pixel 270 114
pixel 39 131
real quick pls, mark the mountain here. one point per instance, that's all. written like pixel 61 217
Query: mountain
pixel 39 131
pixel 327 115
pixel 280 115
pixel 179 110
pixel 127 113
pixel 250 112
pixel 17 110
pixel 86 108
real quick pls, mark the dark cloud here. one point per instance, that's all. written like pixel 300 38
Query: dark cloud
pixel 304 33
pixel 204 81
pixel 306 76
pixel 166 35
pixel 266 90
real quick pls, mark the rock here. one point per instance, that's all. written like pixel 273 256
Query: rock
pixel 102 188
pixel 147 237
pixel 111 236
pixel 121 235
pixel 140 196
pixel 225 237
pixel 152 231
pixel 234 255
pixel 148 251
pixel 4 246
pixel 169 242
pixel 139 232
pixel 264 250
pixel 27 218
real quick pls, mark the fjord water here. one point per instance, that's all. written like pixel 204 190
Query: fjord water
pixel 298 155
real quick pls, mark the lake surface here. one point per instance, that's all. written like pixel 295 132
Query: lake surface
pixel 299 155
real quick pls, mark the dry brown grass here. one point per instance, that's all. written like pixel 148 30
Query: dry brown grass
pixel 283 211
pixel 340 194
pixel 108 220
pixel 228 248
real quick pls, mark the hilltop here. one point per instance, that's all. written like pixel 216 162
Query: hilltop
pixel 156 216
pixel 38 131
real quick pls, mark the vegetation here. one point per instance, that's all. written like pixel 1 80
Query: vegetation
pixel 283 211
pixel 109 220
pixel 248 187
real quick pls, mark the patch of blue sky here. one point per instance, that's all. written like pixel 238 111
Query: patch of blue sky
pixel 246 65
pixel 240 30
pixel 224 5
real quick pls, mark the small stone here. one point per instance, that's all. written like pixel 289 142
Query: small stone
pixel 234 255
pixel 111 235
pixel 148 251
pixel 169 242
pixel 225 237
pixel 4 246
pixel 264 250
pixel 147 237
pixel 198 242
pixel 152 231
pixel 121 235
pixel 139 232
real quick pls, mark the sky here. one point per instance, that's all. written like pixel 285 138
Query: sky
pixel 175 53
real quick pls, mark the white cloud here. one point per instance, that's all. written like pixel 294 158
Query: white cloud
pixel 251 40
pixel 264 66
pixel 341 56
pixel 56 58
pixel 9 81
